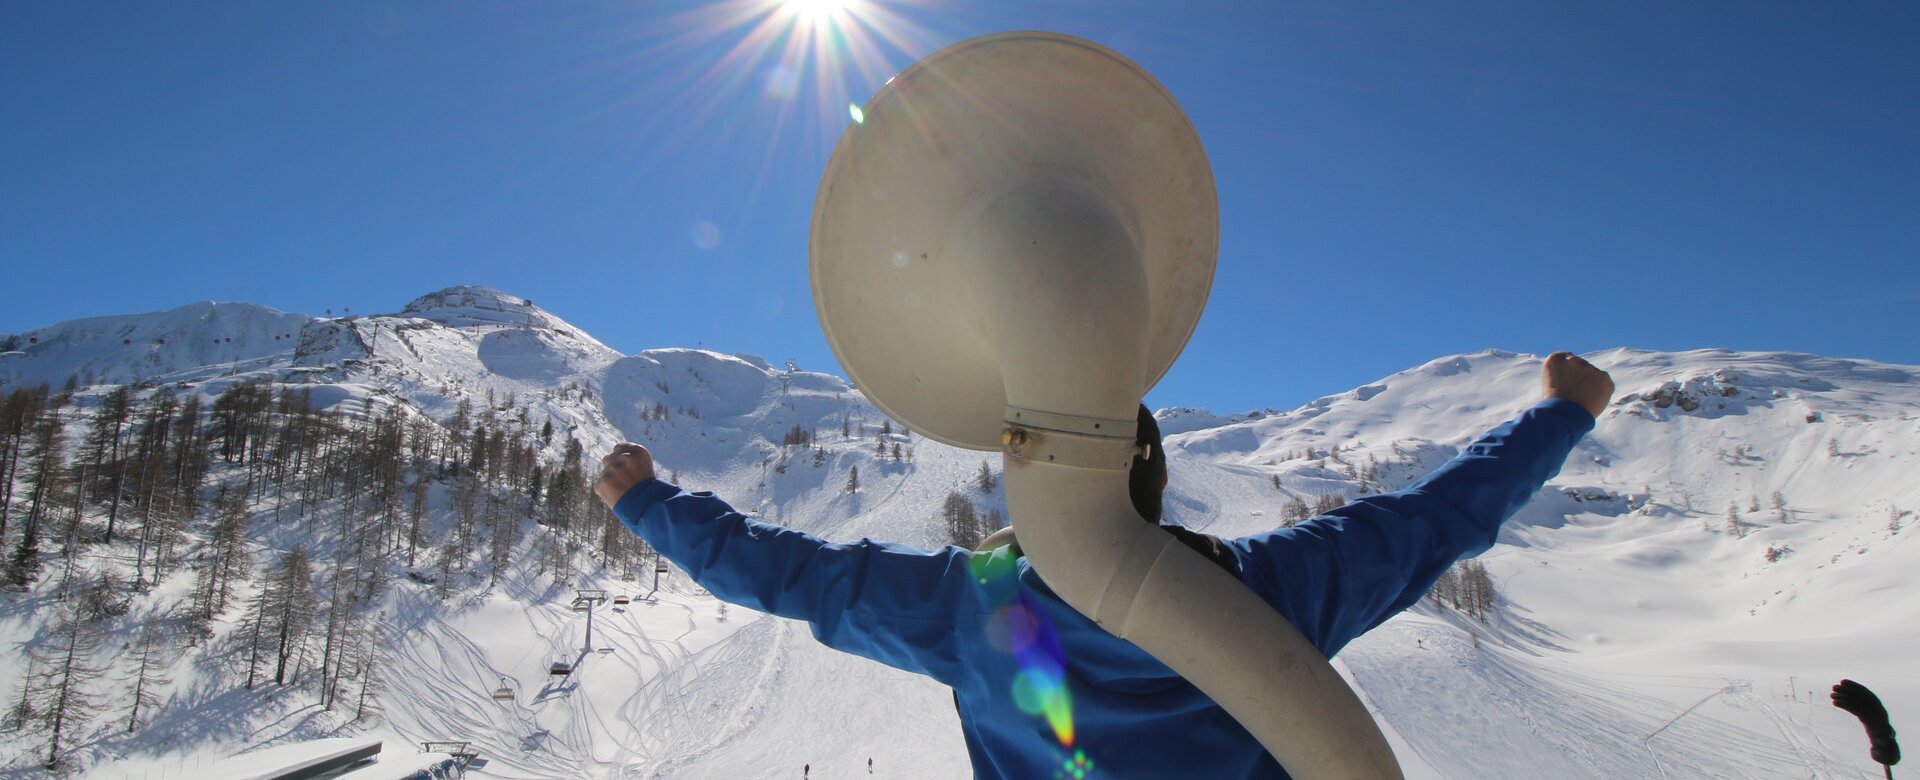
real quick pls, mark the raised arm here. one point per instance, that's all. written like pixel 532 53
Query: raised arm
pixel 1349 570
pixel 888 602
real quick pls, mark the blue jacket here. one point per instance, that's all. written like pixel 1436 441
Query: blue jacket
pixel 974 621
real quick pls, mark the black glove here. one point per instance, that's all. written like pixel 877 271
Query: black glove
pixel 1855 698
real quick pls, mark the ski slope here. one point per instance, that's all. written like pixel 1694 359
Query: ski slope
pixel 1637 637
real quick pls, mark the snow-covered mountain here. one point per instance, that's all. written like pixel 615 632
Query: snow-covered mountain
pixel 1642 632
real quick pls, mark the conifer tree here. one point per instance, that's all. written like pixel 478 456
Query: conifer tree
pixel 853 480
pixel 503 528
pixel 985 478
pixel 22 712
pixel 47 482
pixel 370 663
pixel 103 439
pixel 1323 504
pixel 445 563
pixel 149 661
pixel 1477 592
pixel 1296 512
pixel 62 702
pixel 176 489
pixel 99 595
pixel 416 517
pixel 338 640
pixel 17 415
pixel 990 521
pixel 466 517
pixel 1446 590
pixel 23 568
pixel 1468 588
pixel 962 520
pixel 224 557
pixel 283 613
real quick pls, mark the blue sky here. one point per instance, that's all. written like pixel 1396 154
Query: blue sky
pixel 1398 181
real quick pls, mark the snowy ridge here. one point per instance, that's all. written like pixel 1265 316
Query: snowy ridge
pixel 470 305
pixel 1639 635
pixel 191 340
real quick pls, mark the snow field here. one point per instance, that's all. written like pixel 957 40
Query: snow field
pixel 1639 635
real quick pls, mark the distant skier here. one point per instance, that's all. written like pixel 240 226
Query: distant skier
pixel 983 622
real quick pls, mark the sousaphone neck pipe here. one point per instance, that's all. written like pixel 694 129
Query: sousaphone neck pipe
pixel 1060 295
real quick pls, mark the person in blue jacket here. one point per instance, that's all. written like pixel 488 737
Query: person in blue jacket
pixel 1042 690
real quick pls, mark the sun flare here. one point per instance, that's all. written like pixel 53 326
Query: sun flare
pixel 814 10
pixel 779 76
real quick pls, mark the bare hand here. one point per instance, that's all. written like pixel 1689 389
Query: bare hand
pixel 629 464
pixel 1570 376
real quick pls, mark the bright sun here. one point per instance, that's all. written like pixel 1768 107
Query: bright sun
pixel 815 9
pixel 811 64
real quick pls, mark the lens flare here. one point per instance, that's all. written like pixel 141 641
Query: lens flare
pixel 780 82
pixel 1076 767
pixel 748 92
pixel 814 9
pixel 800 62
pixel 1020 627
pixel 706 235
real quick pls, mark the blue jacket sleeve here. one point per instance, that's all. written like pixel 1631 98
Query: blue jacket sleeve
pixel 1342 573
pixel 888 602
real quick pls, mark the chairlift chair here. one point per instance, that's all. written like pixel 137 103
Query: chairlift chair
pixel 560 669
pixel 504 692
pixel 621 600
pixel 582 605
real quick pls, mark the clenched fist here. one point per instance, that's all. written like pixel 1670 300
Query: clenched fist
pixel 629 464
pixel 1570 376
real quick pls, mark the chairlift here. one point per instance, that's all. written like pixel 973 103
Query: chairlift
pixel 461 750
pixel 660 566
pixel 582 605
pixel 504 692
pixel 560 669
pixel 621 600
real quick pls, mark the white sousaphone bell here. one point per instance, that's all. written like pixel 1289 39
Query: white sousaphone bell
pixel 1006 255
